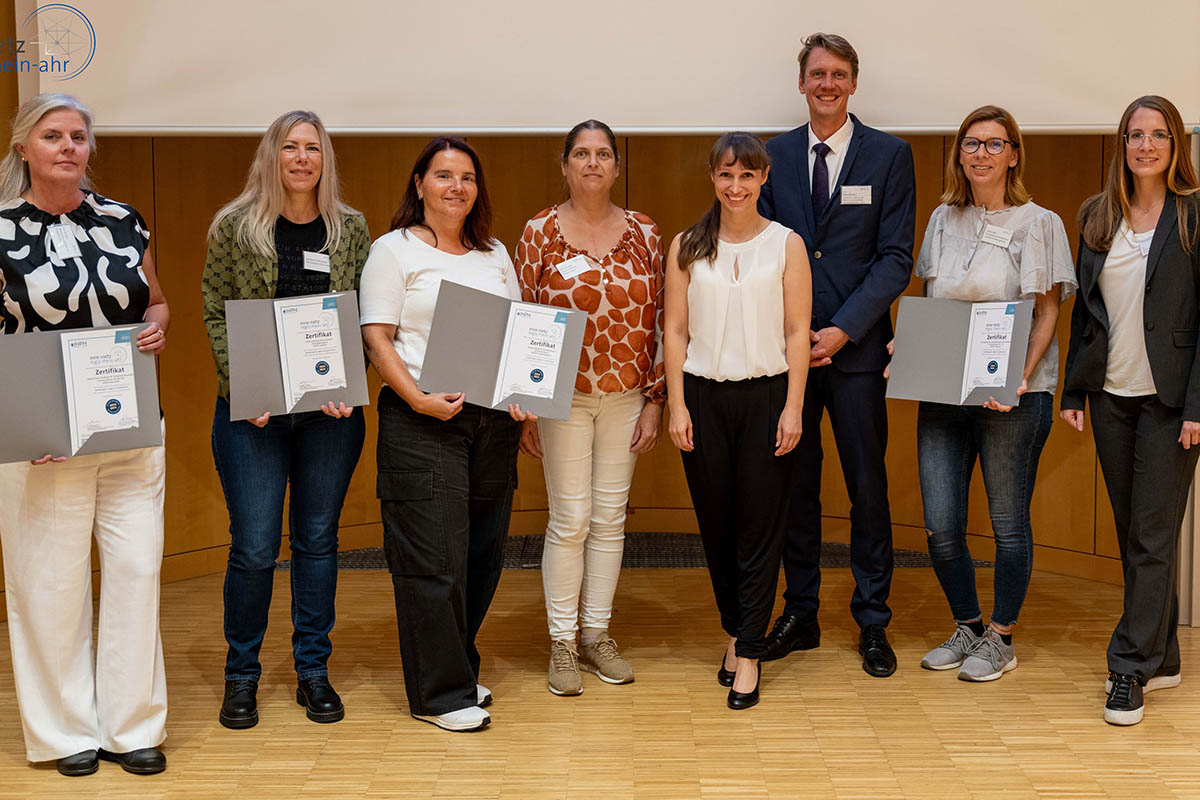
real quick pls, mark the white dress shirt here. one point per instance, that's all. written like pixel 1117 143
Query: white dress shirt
pixel 839 143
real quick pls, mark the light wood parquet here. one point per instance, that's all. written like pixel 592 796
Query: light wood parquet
pixel 824 729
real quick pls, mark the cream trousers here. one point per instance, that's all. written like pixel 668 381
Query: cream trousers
pixel 71 701
pixel 589 470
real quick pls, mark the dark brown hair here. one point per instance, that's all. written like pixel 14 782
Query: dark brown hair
pixel 834 44
pixel 477 228
pixel 590 125
pixel 1101 214
pixel 699 242
pixel 958 188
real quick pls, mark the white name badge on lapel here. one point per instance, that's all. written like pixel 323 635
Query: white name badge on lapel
pixel 575 265
pixel 316 262
pixel 1144 246
pixel 62 237
pixel 994 234
pixel 856 195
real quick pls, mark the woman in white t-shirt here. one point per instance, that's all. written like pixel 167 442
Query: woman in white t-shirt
pixel 447 469
pixel 1133 359
pixel 738 302
pixel 988 241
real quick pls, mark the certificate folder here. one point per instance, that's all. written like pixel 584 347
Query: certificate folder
pixel 465 346
pixel 37 423
pixel 255 375
pixel 932 343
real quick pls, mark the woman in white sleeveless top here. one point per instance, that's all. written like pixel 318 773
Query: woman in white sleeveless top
pixel 738 302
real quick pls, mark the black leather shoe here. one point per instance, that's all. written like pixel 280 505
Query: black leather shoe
pixel 878 659
pixel 147 761
pixel 724 676
pixel 84 763
pixel 789 634
pixel 321 703
pixel 740 701
pixel 240 709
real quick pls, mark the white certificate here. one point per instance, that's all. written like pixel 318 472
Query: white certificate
pixel 533 341
pixel 988 344
pixel 310 346
pixel 98 374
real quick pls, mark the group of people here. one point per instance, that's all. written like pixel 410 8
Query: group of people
pixel 771 309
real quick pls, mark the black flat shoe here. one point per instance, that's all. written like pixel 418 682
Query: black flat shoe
pixel 146 761
pixel 789 634
pixel 740 701
pixel 321 703
pixel 84 763
pixel 240 707
pixel 878 659
pixel 724 676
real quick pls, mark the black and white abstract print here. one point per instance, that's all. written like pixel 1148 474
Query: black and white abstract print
pixel 103 285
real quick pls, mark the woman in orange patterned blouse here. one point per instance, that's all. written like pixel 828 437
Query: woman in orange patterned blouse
pixel 593 255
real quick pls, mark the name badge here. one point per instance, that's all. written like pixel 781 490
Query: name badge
pixel 62 237
pixel 856 195
pixel 575 265
pixel 1144 246
pixel 316 262
pixel 994 234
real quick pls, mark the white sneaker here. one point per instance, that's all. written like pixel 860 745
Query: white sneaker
pixel 483 696
pixel 472 718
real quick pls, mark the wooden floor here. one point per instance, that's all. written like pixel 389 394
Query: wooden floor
pixel 823 728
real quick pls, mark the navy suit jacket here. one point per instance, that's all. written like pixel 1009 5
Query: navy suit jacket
pixel 860 255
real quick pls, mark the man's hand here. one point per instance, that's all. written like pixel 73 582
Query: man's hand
pixel 825 343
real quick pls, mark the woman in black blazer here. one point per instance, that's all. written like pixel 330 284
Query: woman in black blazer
pixel 1133 357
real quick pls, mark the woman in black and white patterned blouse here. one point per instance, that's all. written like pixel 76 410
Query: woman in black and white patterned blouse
pixel 76 709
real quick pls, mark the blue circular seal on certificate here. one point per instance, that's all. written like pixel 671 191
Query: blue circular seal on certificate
pixel 537 376
pixel 113 406
pixel 322 368
pixel 992 367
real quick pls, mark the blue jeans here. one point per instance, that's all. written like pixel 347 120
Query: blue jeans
pixel 317 453
pixel 1008 445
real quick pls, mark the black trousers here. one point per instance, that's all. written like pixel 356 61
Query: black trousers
pixel 858 414
pixel 1147 473
pixel 740 491
pixel 445 491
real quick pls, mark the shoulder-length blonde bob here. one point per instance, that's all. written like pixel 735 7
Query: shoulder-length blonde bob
pixel 958 188
pixel 1101 214
pixel 261 202
pixel 14 171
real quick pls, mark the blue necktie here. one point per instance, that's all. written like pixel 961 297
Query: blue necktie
pixel 820 179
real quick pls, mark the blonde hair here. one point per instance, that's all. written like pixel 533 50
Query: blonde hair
pixel 1101 214
pixel 14 171
pixel 261 202
pixel 958 188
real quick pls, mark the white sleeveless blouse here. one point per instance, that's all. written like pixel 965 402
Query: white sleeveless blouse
pixel 735 309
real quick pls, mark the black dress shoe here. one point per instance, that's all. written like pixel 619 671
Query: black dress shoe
pixel 321 703
pixel 878 659
pixel 84 763
pixel 789 634
pixel 724 676
pixel 740 701
pixel 146 761
pixel 240 709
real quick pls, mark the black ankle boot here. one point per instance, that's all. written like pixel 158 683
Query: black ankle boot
pixel 240 708
pixel 321 703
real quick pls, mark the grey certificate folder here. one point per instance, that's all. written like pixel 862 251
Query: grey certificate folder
pixel 463 354
pixel 255 377
pixel 931 352
pixel 39 394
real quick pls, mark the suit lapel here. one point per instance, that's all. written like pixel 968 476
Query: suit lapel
pixel 805 185
pixel 852 149
pixel 1168 220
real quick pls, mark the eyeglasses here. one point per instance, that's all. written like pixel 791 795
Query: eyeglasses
pixel 1156 138
pixel 993 146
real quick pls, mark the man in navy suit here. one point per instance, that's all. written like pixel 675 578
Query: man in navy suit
pixel 848 190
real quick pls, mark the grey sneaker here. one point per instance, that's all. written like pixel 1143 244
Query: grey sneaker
pixel 950 653
pixel 602 658
pixel 989 659
pixel 563 678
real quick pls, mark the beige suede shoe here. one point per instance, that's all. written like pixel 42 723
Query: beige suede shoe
pixel 603 658
pixel 563 678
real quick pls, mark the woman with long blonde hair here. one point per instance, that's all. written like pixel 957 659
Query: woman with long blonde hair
pixel 262 245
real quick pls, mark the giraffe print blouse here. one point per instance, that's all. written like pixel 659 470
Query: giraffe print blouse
pixel 622 343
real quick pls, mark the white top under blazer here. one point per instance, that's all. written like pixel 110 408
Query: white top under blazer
pixel 735 309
